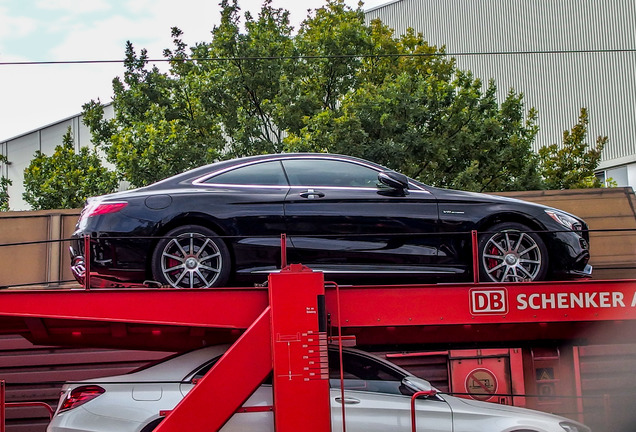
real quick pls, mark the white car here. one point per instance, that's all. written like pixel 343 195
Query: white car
pixel 377 393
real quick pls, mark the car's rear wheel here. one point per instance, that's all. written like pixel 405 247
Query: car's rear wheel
pixel 191 256
pixel 511 252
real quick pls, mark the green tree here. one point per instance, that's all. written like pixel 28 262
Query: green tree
pixel 414 111
pixel 161 125
pixel 337 85
pixel 67 178
pixel 249 88
pixel 4 186
pixel 571 164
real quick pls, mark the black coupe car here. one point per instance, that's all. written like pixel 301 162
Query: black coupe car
pixel 221 224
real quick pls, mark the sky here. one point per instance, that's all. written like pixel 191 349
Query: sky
pixel 32 96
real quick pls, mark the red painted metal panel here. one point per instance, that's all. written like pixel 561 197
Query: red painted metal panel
pixel 221 392
pixel 481 375
pixel 590 311
pixel 465 313
pixel 299 351
pixel 531 302
pixel 224 308
pixel 169 319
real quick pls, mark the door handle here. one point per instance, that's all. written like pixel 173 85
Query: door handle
pixel 311 194
pixel 348 400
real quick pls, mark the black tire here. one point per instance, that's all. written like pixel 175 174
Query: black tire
pixel 510 252
pixel 191 256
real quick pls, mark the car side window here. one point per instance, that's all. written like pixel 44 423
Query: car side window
pixel 330 173
pixel 259 174
pixel 363 374
pixel 206 368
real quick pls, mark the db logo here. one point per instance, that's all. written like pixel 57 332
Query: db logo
pixel 488 301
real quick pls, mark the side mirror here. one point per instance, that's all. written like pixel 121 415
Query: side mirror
pixel 419 385
pixel 394 180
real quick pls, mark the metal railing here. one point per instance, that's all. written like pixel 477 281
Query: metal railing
pixel 4 404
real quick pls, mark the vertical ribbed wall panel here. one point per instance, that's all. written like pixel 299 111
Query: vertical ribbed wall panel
pixel 557 84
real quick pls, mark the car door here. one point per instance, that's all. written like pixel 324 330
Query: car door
pixel 375 401
pixel 248 201
pixel 339 220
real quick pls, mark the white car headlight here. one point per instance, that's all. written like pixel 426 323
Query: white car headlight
pixel 565 219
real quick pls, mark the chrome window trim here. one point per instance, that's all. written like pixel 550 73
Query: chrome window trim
pixel 201 181
pixel 299 187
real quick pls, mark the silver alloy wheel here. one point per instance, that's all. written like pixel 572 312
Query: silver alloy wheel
pixel 512 256
pixel 191 260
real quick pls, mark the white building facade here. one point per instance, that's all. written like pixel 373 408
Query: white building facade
pixel 20 150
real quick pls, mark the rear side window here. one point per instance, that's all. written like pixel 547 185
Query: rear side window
pixel 258 174
pixel 206 368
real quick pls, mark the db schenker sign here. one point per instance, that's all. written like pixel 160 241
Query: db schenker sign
pixel 499 301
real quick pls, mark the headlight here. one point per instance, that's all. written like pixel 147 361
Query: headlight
pixel 573 427
pixel 565 219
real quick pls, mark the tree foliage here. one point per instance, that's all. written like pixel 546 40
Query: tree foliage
pixel 4 188
pixel 410 108
pixel 67 178
pixel 571 164
pixel 336 85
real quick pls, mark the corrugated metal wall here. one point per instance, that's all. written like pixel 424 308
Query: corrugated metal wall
pixel 557 84
pixel 37 373
pixel 608 381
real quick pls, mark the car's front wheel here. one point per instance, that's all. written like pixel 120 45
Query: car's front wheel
pixel 511 252
pixel 191 256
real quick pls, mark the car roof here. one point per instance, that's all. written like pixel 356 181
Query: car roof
pixel 193 174
pixel 178 367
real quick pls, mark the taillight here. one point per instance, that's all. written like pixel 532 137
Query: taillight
pixel 79 396
pixel 102 208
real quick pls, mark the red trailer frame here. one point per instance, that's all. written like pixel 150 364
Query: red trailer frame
pixel 283 328
pixel 260 320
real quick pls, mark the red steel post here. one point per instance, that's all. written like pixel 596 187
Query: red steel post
pixel 87 262
pixel 413 398
pixel 475 243
pixel 299 351
pixel 2 405
pixel 283 251
pixel 578 383
pixel 342 390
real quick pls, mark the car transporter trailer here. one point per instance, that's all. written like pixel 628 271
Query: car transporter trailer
pixel 284 329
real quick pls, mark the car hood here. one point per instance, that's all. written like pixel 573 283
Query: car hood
pixel 457 195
